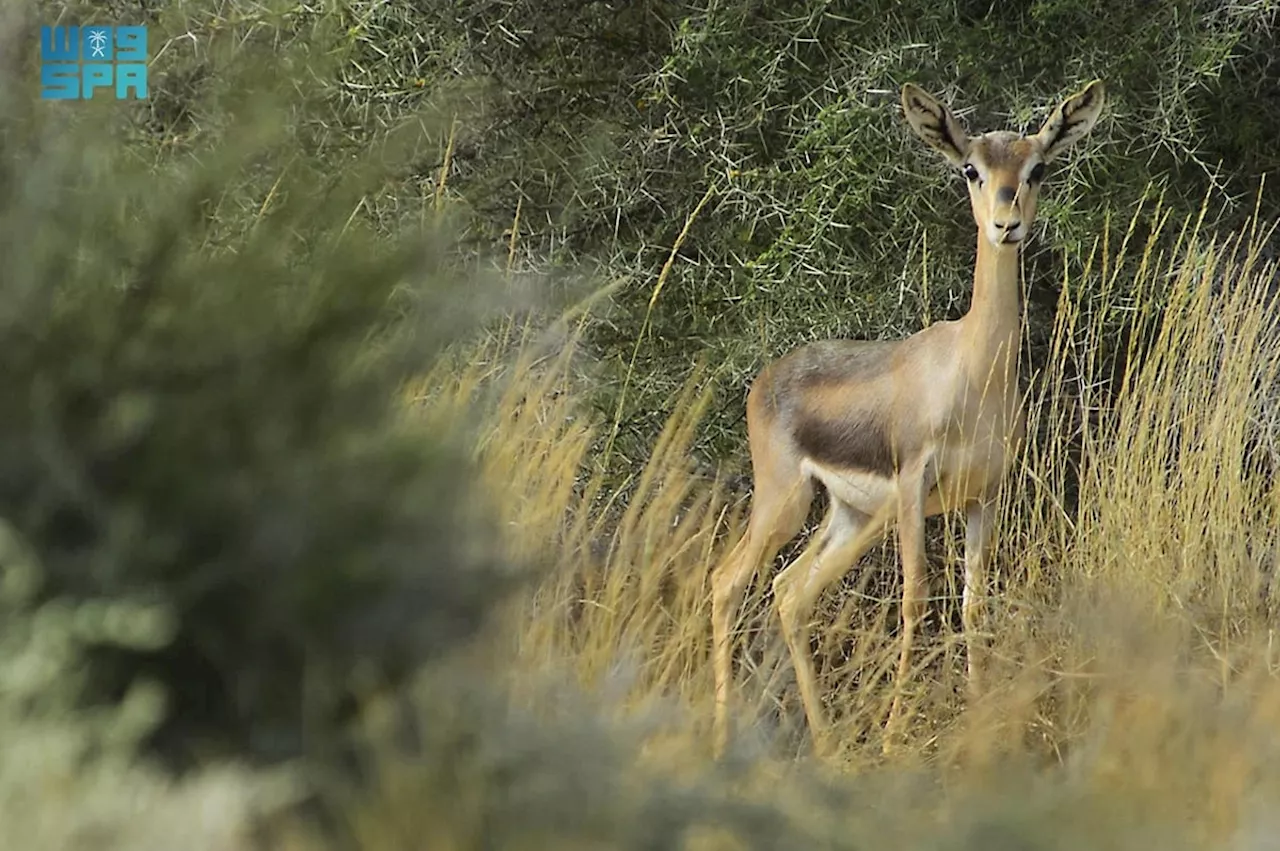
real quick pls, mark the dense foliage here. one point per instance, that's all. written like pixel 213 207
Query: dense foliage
pixel 604 124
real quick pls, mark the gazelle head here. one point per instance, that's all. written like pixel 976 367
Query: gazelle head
pixel 1004 170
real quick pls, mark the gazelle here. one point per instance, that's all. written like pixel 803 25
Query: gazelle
pixel 901 429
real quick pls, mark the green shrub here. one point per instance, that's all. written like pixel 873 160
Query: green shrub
pixel 605 124
pixel 204 354
pixel 70 777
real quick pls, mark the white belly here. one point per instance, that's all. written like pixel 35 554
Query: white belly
pixel 866 492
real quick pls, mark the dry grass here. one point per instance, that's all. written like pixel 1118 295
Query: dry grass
pixel 1132 627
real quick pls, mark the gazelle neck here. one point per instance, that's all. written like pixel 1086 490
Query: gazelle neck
pixel 993 324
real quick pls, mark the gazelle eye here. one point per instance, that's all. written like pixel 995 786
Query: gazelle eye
pixel 970 173
pixel 1037 173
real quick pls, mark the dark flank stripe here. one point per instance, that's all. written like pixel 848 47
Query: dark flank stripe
pixel 846 443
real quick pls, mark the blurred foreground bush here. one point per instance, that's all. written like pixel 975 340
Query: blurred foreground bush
pixel 204 352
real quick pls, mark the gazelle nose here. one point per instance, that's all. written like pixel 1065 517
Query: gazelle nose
pixel 1009 225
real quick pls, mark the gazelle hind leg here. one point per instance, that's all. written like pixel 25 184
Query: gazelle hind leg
pixel 849 534
pixel 776 517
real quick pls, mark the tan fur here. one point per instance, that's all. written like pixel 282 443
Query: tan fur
pixel 897 430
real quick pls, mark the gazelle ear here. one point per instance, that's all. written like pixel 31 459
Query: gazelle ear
pixel 934 122
pixel 1072 120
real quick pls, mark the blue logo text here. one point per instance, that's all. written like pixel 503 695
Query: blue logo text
pixel 75 62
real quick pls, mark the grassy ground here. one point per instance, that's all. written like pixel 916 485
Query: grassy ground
pixel 1132 620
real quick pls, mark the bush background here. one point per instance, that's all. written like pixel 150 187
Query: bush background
pixel 587 133
pixel 605 124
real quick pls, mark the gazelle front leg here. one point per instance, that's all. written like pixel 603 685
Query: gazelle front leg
pixel 980 520
pixel 915 590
